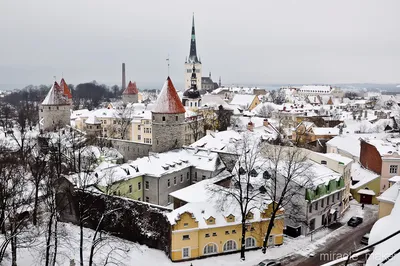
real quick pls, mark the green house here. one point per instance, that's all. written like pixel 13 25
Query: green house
pixel 324 189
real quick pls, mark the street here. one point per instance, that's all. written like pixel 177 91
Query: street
pixel 343 240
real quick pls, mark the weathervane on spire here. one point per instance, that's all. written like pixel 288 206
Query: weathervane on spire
pixel 168 64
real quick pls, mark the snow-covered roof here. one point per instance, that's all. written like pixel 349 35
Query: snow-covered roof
pixel 337 157
pixel 384 147
pixel 78 113
pixel 362 175
pixel 382 228
pixel 391 194
pixel 168 101
pixel 242 99
pixel 349 144
pixel 200 191
pixel 209 100
pixel 55 96
pixel 175 160
pixel 320 174
pixel 92 120
pixel 315 89
pixel 395 178
pixel 217 140
pixel 332 131
pixel 366 192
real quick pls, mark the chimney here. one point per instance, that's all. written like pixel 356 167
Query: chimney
pixel 250 126
pixel 123 77
pixel 266 123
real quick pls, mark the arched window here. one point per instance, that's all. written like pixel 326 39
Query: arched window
pixel 210 248
pixel 230 245
pixel 250 242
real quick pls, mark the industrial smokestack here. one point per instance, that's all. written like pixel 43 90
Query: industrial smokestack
pixel 123 77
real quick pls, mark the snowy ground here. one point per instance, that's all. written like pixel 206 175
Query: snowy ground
pixel 134 254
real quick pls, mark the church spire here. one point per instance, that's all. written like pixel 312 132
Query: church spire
pixel 193 53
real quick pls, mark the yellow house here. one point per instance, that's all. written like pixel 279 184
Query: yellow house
pixel 200 229
pixel 387 200
pixel 247 101
pixel 365 184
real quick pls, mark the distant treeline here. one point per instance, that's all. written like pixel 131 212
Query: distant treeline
pixel 85 95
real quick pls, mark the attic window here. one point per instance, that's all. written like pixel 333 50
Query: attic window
pixel 241 171
pixel 165 167
pixel 323 162
pixel 266 175
pixel 262 190
pixel 253 173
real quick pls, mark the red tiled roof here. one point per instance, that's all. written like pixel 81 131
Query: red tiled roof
pixel 168 101
pixel 55 96
pixel 131 89
pixel 65 88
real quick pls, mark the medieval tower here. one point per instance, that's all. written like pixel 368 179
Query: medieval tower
pixel 130 94
pixel 55 110
pixel 168 120
pixel 192 59
pixel 191 97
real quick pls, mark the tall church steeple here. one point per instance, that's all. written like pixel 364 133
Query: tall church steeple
pixel 193 52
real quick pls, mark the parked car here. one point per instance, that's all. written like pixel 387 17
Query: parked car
pixel 364 239
pixel 269 263
pixel 354 221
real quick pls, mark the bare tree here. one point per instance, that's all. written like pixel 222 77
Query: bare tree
pixel 266 110
pixel 122 121
pixel 289 172
pixel 196 127
pixel 246 189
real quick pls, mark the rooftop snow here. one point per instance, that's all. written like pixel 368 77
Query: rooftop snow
pixel 168 101
pixel 347 143
pixel 325 131
pixel 217 140
pixel 242 99
pixel 337 157
pixel 395 178
pixel 391 194
pixel 362 175
pixel 366 192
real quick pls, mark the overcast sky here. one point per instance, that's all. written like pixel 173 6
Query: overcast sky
pixel 247 42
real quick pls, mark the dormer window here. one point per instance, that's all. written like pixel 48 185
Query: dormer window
pixel 249 215
pixel 266 175
pixel 253 173
pixel 242 171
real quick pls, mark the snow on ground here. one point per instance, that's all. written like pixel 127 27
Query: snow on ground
pixel 143 255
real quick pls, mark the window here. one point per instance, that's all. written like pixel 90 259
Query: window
pixel 226 232
pixel 174 180
pixel 176 118
pixel 310 208
pixel 185 252
pixel 163 118
pixel 316 206
pixel 327 201
pixel 393 169
pixel 195 176
pixel 130 188
pixel 323 162
pixel 233 231
pixel 210 248
pixel 185 225
pixel 207 235
pixel 185 237
pixel 230 245
pixel 322 203
pixel 168 183
pixel 187 176
pixel 147 185
pixel 250 242
pixel 139 137
pixel 338 196
pixel 181 178
pixel 333 198
pixel 147 199
pixel 138 127
pixel 214 234
pixel 139 185
pixel 139 199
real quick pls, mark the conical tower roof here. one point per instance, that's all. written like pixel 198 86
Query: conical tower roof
pixel 65 89
pixel 131 89
pixel 168 101
pixel 55 96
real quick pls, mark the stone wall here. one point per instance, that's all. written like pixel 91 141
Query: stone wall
pixel 133 220
pixel 130 98
pixel 131 150
pixel 168 131
pixel 54 116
